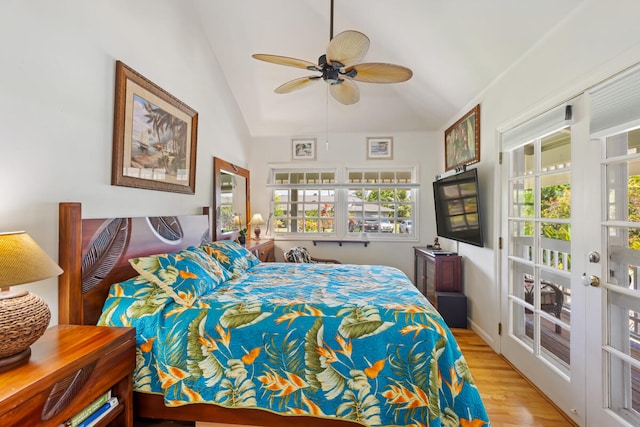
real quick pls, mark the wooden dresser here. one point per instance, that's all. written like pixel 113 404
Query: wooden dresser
pixel 439 278
pixel 264 249
pixel 70 366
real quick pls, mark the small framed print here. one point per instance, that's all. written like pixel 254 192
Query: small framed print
pixel 303 149
pixel 380 148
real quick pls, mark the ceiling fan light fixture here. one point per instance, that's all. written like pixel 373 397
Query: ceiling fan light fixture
pixel 342 60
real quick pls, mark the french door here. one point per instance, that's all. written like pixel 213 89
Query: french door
pixel 613 373
pixel 570 264
pixel 543 315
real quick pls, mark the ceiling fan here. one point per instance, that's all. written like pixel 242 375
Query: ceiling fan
pixel 340 66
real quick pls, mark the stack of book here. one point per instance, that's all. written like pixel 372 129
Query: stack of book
pixel 93 412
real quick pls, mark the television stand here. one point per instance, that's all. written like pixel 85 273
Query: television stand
pixel 438 276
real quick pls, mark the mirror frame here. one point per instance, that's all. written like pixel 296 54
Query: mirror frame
pixel 219 166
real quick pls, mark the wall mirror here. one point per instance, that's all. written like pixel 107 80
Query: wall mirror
pixel 231 199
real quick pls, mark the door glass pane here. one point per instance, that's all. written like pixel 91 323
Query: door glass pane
pixel 522 239
pixel 522 198
pixel 622 200
pixel 522 281
pixel 540 247
pixel 555 196
pixel 623 244
pixel 623 144
pixel 556 151
pixel 555 301
pixel 522 160
pixel 623 190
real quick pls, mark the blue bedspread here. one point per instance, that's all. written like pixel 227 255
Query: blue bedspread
pixel 354 342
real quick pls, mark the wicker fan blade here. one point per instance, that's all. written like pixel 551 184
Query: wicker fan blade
pixel 348 48
pixel 345 92
pixel 284 60
pixel 296 84
pixel 378 72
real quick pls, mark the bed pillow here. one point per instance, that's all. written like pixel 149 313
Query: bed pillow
pixel 231 255
pixel 209 263
pixel 179 275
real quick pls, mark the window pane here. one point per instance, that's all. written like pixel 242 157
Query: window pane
pixel 623 191
pixel 282 178
pixel 522 202
pixel 624 252
pixel 313 178
pixel 623 144
pixel 556 151
pixel 355 177
pixel 388 177
pixel 522 160
pixel 371 177
pixel 297 178
pixel 368 207
pixel 555 196
pixel 328 177
pixel 404 177
pixel 522 233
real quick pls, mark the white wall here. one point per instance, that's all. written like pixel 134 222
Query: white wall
pixel 349 149
pixel 597 40
pixel 57 91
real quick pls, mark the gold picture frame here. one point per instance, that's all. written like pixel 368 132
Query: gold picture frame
pixel 462 141
pixel 154 136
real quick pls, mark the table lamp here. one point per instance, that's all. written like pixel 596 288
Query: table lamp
pixel 23 316
pixel 256 222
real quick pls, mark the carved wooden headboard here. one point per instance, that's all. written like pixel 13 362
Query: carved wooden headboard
pixel 95 253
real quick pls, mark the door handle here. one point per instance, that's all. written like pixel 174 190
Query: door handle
pixel 591 280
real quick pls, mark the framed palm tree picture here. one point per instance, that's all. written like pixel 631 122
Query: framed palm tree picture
pixel 154 137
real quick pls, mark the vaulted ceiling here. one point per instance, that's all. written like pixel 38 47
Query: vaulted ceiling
pixel 455 48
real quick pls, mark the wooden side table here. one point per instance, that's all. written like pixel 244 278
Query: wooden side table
pixel 264 249
pixel 70 366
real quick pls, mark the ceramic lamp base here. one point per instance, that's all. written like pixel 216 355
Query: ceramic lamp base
pixel 257 231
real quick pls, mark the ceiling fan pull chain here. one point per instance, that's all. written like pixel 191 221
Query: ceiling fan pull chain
pixel 331 23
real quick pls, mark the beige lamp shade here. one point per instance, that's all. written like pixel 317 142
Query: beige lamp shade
pixel 23 261
pixel 256 219
pixel 23 316
pixel 256 222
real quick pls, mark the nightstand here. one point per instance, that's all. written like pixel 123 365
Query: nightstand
pixel 264 249
pixel 70 366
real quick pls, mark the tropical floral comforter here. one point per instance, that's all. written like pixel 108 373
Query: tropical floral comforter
pixel 355 342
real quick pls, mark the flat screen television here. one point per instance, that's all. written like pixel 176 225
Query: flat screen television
pixel 457 204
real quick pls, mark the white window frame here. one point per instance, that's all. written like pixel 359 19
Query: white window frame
pixel 399 177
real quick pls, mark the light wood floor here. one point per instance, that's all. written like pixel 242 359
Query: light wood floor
pixel 511 401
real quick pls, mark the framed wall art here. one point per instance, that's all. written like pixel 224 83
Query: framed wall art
pixel 380 148
pixel 303 149
pixel 462 141
pixel 154 136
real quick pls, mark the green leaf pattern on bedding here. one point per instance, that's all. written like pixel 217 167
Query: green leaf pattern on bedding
pixel 353 342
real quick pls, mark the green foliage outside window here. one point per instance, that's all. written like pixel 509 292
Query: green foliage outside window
pixel 633 189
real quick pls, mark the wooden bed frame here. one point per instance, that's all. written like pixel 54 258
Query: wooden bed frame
pixel 94 254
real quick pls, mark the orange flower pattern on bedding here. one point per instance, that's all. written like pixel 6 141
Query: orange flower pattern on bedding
pixel 335 341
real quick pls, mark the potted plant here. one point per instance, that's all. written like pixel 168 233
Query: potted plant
pixel 242 236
